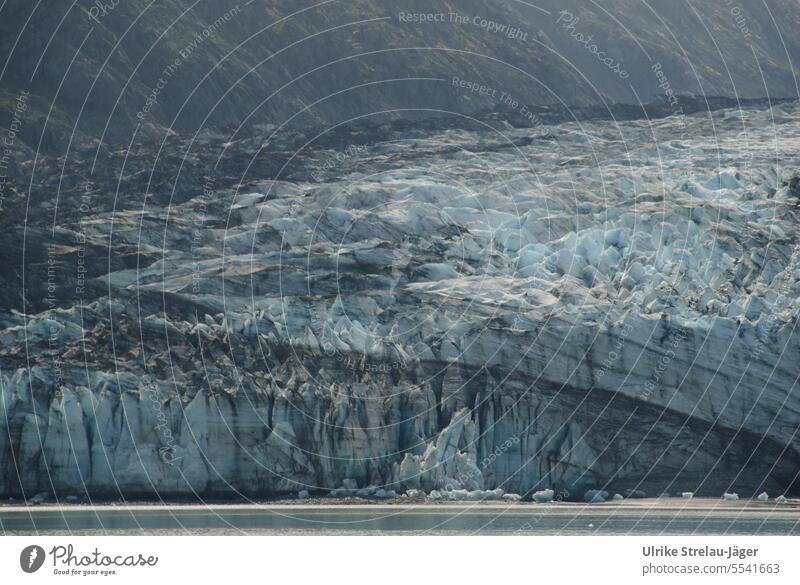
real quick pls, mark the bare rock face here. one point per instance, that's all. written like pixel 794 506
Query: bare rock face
pixel 384 325
pixel 347 47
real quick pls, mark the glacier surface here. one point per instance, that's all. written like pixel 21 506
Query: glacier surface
pixel 602 306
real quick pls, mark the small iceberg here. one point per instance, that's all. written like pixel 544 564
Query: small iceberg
pixel 595 496
pixel 457 494
pixel 730 497
pixel 543 496
pixel 494 494
pixel 630 493
pixel 343 492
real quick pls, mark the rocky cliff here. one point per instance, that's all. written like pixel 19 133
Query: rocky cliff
pixel 100 70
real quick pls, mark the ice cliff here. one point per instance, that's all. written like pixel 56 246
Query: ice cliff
pixel 589 305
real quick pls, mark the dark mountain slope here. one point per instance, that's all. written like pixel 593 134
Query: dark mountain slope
pixel 264 62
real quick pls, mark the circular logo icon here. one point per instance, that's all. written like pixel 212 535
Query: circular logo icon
pixel 31 558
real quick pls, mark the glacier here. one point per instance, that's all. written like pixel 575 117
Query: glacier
pixel 595 305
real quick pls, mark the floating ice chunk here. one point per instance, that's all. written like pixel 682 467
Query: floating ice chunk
pixel 40 498
pixel 494 494
pixel 595 496
pixel 617 497
pixel 543 496
pixel 342 493
pixel 730 497
pixel 435 495
pixel 631 493
pixel 734 115
pixel 457 494
pixel 763 497
pixel 303 495
pixel 687 495
pixel 413 493
pixel 780 500
pixel 512 497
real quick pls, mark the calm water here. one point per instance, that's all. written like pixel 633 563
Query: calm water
pixel 521 519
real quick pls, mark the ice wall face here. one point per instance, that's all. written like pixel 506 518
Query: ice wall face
pixel 598 305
